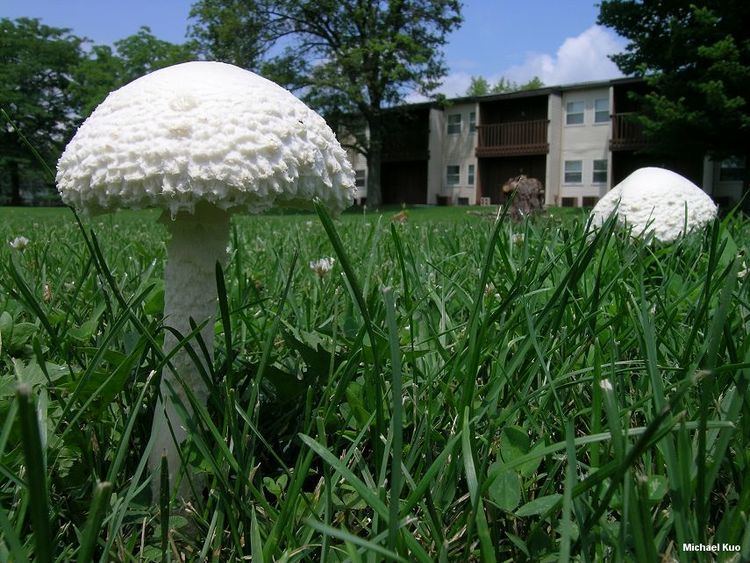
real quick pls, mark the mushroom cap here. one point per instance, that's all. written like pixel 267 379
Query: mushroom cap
pixel 203 132
pixel 655 200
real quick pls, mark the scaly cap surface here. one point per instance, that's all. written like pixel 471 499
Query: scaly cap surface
pixel 203 132
pixel 654 200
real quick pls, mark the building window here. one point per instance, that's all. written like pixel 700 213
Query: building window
pixel 590 201
pixel 574 113
pixel 732 169
pixel 601 110
pixel 454 124
pixel 573 171
pixel 600 172
pixel 570 202
pixel 471 175
pixel 359 178
pixel 463 201
pixel 452 175
pixel 472 121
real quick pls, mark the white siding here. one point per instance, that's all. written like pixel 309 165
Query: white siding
pixel 554 137
pixel 359 162
pixel 459 150
pixel 586 142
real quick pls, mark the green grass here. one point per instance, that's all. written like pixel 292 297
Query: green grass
pixel 455 388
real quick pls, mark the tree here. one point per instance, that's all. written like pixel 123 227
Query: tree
pixel 95 77
pixel 478 86
pixel 36 62
pixel 142 53
pixel 350 59
pixel 695 57
pixel 481 87
pixel 533 84
pixel 230 31
pixel 107 69
pixel 49 84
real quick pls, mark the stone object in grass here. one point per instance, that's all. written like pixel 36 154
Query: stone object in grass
pixel 655 201
pixel 199 140
pixel 529 196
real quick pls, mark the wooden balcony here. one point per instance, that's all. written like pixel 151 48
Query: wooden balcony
pixel 407 145
pixel 513 138
pixel 627 133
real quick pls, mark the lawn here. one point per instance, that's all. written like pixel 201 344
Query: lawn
pixel 455 388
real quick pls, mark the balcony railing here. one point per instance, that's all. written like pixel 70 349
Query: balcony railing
pixel 513 138
pixel 627 133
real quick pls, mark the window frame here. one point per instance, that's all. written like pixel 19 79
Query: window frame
pixel 734 173
pixel 457 123
pixel 363 173
pixel 456 175
pixel 472 122
pixel 605 111
pixel 471 175
pixel 579 172
pixel 594 171
pixel 569 113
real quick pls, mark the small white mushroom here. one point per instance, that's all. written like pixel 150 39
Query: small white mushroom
pixel 200 140
pixel 655 200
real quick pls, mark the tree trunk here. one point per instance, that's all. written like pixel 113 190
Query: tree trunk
pixel 374 158
pixel 15 183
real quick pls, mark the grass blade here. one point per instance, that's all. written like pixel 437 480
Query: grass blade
pixel 11 538
pixel 256 544
pixel 35 475
pixel 396 418
pixel 363 490
pixel 351 538
pixel 164 495
pixel 97 512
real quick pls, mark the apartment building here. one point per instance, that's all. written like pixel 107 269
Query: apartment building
pixel 579 140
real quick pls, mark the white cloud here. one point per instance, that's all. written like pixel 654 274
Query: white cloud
pixel 455 84
pixel 579 59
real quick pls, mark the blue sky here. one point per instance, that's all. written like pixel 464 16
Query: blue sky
pixel 553 39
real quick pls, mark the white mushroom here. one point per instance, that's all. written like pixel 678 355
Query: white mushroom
pixel 655 200
pixel 200 140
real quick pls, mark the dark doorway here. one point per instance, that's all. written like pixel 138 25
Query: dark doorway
pixel 494 172
pixel 404 182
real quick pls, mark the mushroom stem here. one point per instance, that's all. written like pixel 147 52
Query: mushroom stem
pixel 198 241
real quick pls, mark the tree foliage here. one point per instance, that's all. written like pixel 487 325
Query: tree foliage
pixel 361 57
pixel 696 59
pixel 36 62
pixel 106 69
pixel 49 83
pixel 480 86
pixel 346 57
pixel 230 31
